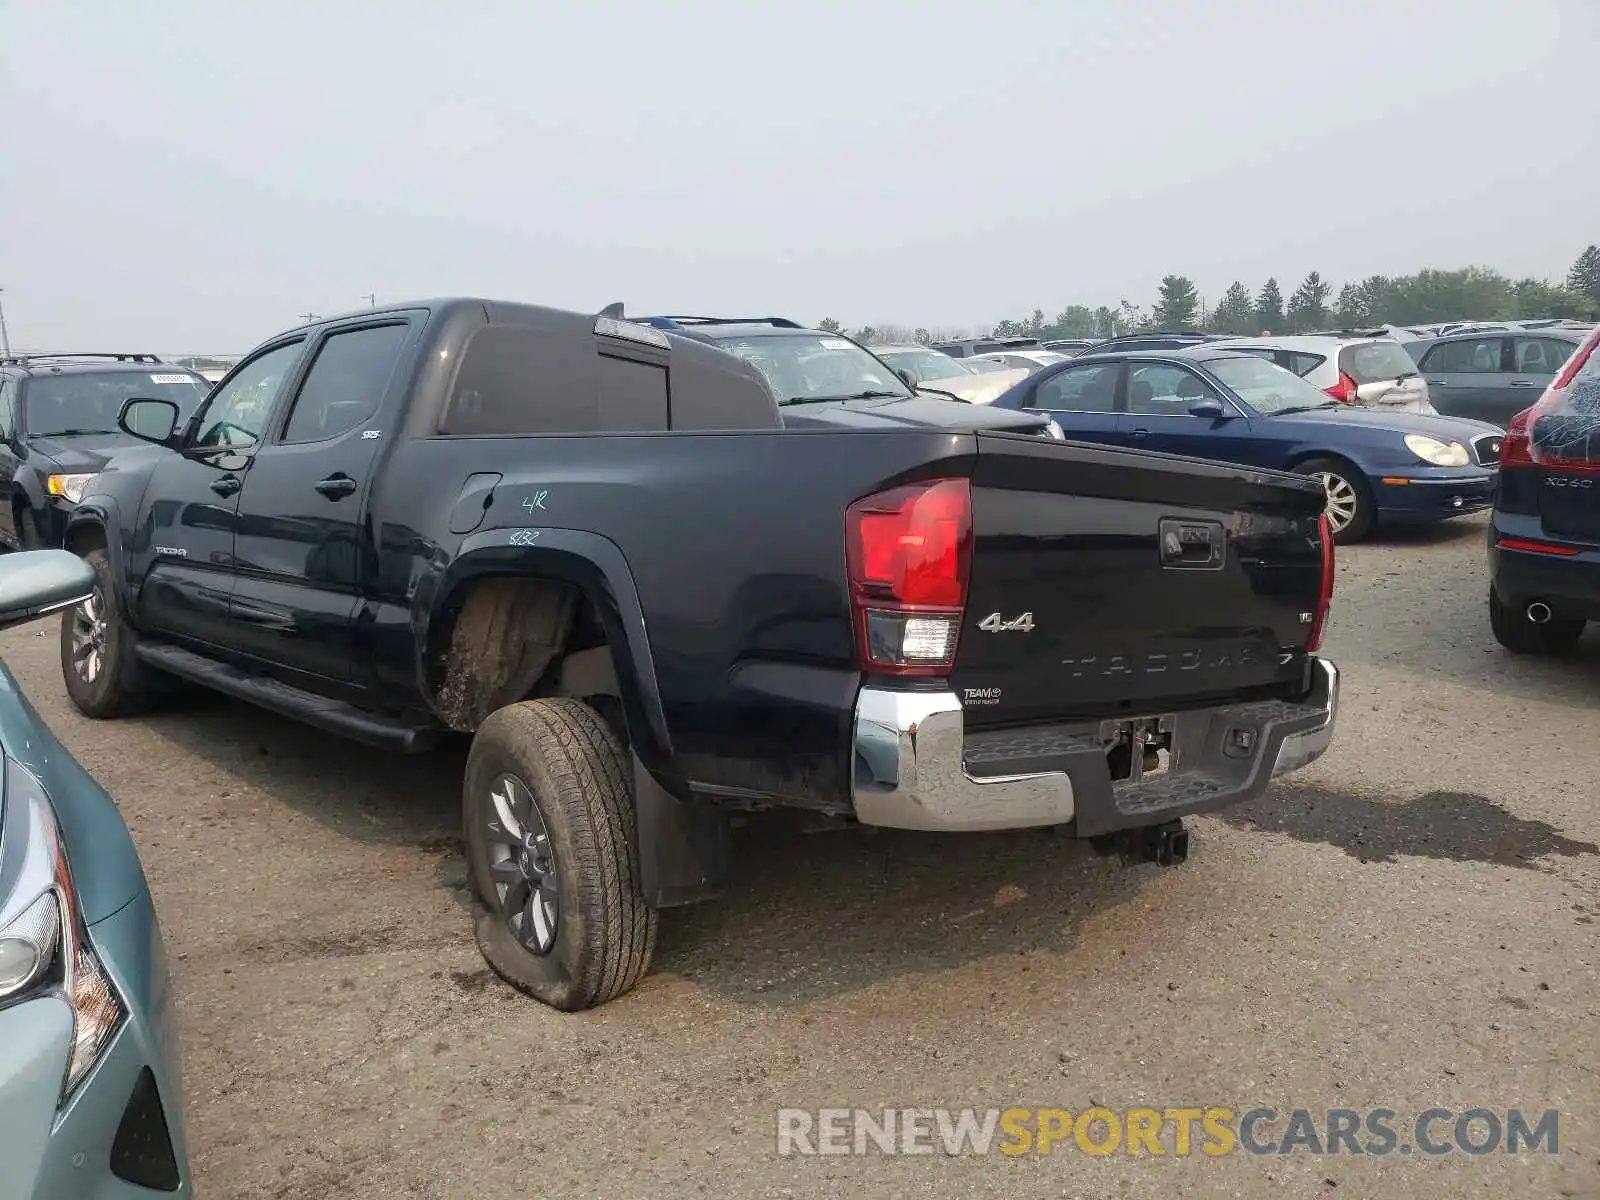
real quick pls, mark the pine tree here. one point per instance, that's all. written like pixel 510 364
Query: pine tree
pixel 1269 308
pixel 1585 274
pixel 1308 307
pixel 1176 308
pixel 1235 312
pixel 1350 309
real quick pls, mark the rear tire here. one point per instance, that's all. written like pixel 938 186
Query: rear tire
pixel 103 676
pixel 1516 633
pixel 552 851
pixel 1351 509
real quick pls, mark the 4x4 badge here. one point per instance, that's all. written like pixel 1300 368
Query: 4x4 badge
pixel 995 623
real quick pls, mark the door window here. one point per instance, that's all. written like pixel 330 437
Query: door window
pixel 238 412
pixel 8 409
pixel 1471 356
pixel 346 383
pixel 1081 389
pixel 1163 390
pixel 1539 356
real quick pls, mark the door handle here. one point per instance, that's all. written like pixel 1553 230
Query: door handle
pixel 1437 383
pixel 227 485
pixel 1141 433
pixel 1523 383
pixel 336 487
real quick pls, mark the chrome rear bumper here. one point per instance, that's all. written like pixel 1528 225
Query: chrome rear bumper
pixel 915 769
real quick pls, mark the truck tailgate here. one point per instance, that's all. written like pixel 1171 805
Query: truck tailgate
pixel 1110 582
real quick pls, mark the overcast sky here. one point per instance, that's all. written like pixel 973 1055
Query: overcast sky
pixel 190 176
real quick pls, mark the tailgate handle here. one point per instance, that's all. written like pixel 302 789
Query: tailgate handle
pixel 1192 545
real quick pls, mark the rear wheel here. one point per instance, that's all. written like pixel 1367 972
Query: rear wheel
pixel 103 677
pixel 1351 509
pixel 1517 633
pixel 551 838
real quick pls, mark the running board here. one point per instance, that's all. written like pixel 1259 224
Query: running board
pixel 335 716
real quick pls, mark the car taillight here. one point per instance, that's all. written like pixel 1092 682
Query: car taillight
pixel 1514 448
pixel 908 552
pixel 1345 391
pixel 1319 619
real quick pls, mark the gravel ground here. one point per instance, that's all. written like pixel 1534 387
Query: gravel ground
pixel 1408 923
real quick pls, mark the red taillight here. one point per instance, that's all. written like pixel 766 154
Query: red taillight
pixel 1319 620
pixel 1507 543
pixel 1514 448
pixel 1345 391
pixel 908 552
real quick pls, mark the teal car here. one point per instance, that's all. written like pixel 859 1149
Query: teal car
pixel 90 1101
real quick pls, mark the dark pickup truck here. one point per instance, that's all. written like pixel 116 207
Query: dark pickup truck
pixel 607 552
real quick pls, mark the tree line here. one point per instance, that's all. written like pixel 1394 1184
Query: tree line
pixel 1471 293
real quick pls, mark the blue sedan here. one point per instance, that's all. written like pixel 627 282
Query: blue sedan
pixel 1377 466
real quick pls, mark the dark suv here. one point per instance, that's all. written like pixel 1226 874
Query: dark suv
pixel 58 427
pixel 1544 538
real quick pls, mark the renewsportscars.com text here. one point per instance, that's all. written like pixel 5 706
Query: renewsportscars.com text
pixel 1176 1132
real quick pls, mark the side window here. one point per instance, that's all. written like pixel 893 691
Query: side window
pixel 633 395
pixel 1081 389
pixel 238 412
pixel 1303 364
pixel 1163 390
pixel 346 382
pixel 516 381
pixel 8 409
pixel 1539 356
pixel 1470 356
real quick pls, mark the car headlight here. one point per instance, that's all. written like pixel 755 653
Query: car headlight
pixel 70 487
pixel 44 946
pixel 1440 454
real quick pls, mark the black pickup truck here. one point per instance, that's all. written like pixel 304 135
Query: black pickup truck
pixel 599 547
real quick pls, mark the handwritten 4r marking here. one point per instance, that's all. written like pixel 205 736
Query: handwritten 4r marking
pixel 535 501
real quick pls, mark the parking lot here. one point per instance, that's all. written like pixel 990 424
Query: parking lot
pixel 1409 923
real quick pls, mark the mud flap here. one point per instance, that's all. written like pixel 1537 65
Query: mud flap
pixel 684 853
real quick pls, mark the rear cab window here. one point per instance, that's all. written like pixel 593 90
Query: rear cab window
pixel 1370 362
pixel 556 376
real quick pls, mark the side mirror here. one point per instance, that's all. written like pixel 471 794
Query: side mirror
pixel 148 419
pixel 907 378
pixel 1208 407
pixel 34 583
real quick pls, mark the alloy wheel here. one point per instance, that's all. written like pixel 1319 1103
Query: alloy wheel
pixel 89 637
pixel 522 864
pixel 1342 499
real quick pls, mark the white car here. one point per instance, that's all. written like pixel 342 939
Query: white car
pixel 1375 372
pixel 932 370
pixel 1022 360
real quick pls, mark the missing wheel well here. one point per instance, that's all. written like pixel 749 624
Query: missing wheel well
pixel 514 637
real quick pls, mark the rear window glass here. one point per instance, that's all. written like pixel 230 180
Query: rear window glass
pixel 1368 362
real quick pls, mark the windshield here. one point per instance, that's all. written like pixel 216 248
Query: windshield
pixel 1368 362
pixel 1267 387
pixel 807 367
pixel 89 401
pixel 926 365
